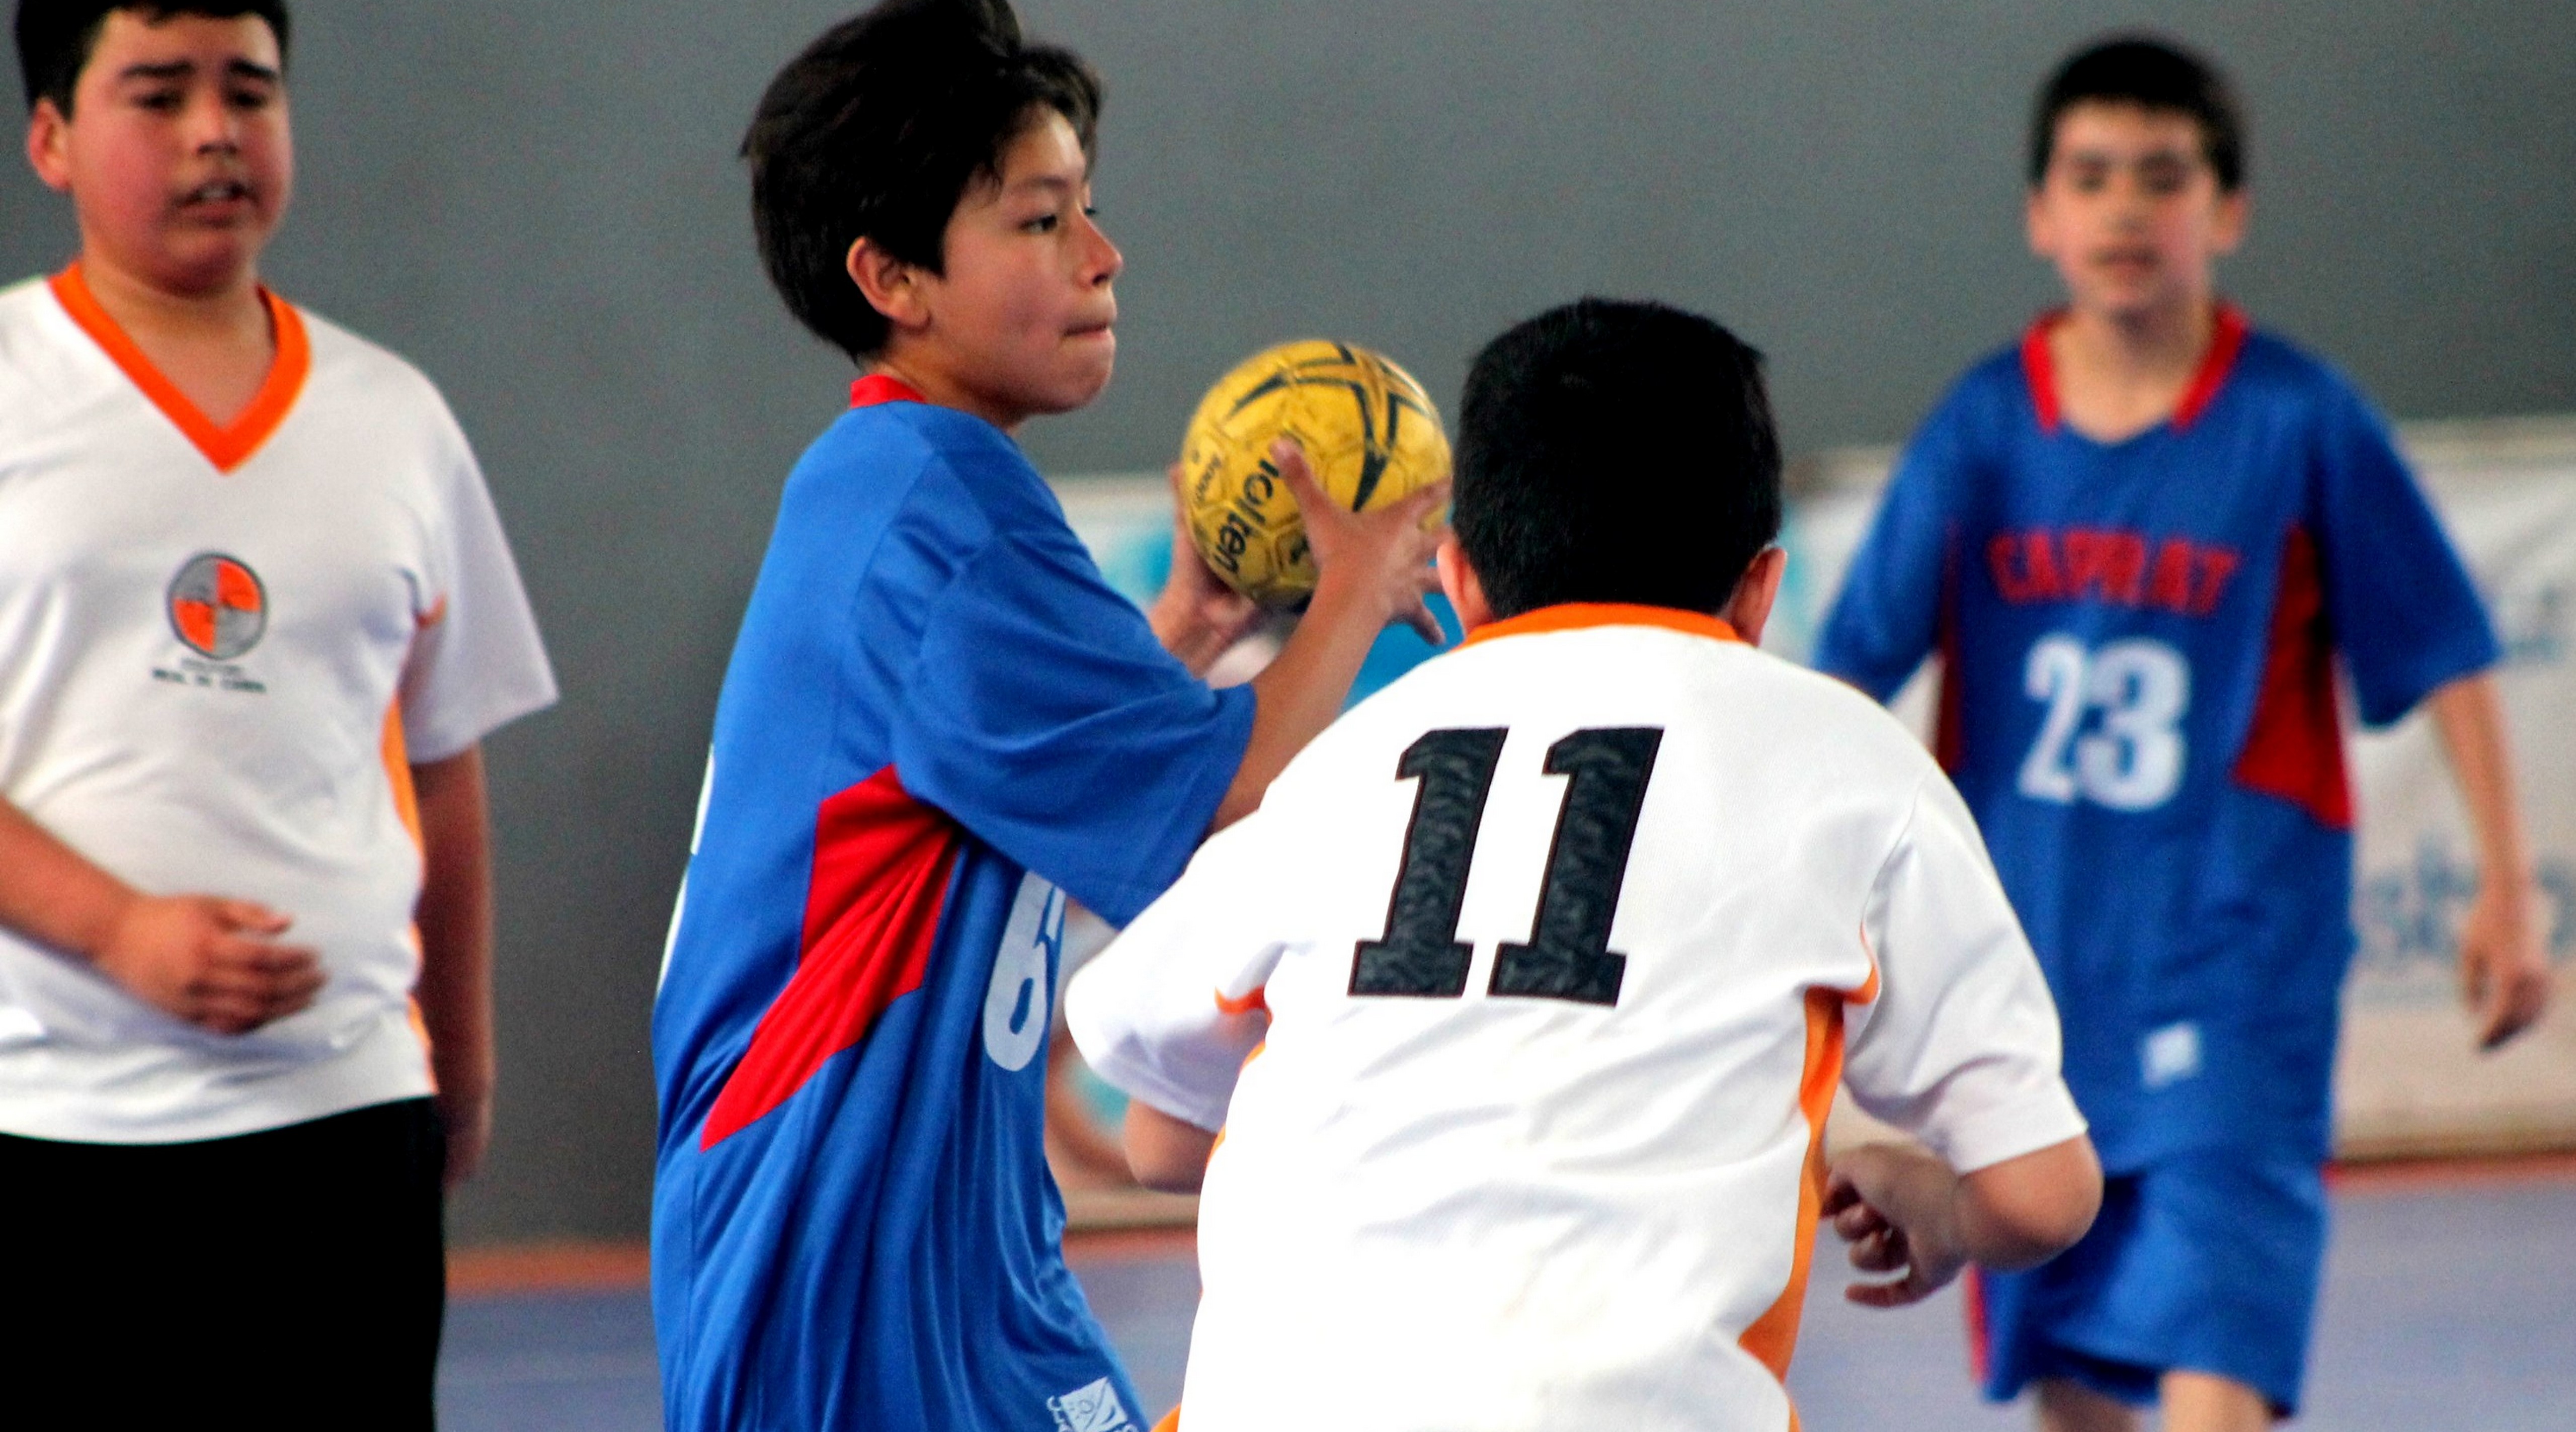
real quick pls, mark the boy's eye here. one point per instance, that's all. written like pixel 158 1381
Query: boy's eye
pixel 1042 224
pixel 163 100
pixel 1091 211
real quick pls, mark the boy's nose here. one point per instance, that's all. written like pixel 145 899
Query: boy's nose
pixel 212 125
pixel 1104 262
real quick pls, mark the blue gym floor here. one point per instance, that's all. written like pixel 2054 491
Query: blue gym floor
pixel 2446 1306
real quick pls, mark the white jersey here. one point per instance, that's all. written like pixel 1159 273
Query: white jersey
pixel 219 649
pixel 1559 946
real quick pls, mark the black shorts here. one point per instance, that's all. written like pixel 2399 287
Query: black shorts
pixel 293 1278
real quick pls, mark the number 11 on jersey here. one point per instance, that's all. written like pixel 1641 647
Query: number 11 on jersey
pixel 1568 956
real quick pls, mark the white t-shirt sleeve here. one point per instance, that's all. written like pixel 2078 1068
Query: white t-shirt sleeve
pixel 1171 1010
pixel 1960 1048
pixel 477 662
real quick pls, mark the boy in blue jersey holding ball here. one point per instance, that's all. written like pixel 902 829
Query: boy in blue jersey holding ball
pixel 2141 541
pixel 938 725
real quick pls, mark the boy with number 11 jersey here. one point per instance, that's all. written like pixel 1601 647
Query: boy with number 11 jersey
pixel 1522 998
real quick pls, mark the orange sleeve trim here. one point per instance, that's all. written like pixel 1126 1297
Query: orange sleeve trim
pixel 1171 1422
pixel 226 447
pixel 1258 999
pixel 1575 616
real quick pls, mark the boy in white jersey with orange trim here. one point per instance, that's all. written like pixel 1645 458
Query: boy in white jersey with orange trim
pixel 256 615
pixel 1554 951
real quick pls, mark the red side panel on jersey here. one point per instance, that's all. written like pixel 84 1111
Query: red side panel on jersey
pixel 1981 1338
pixel 2294 745
pixel 872 906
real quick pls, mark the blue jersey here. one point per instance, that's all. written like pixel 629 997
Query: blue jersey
pixel 938 724
pixel 2140 702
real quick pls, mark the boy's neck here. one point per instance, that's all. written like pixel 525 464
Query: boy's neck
pixel 924 374
pixel 2121 374
pixel 214 346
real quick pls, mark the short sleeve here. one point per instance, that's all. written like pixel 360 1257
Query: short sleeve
pixel 1172 1009
pixel 2405 614
pixel 1960 1046
pixel 1885 617
pixel 1041 714
pixel 477 663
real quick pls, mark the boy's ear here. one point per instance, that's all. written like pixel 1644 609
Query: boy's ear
pixel 2229 231
pixel 49 146
pixel 1749 609
pixel 891 286
pixel 2036 227
pixel 1459 582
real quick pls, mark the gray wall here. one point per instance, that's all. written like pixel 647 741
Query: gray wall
pixel 539 204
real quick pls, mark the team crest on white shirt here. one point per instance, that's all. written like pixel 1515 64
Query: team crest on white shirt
pixel 1091 1408
pixel 218 606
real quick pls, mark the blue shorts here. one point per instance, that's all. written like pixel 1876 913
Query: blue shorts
pixel 2205 1262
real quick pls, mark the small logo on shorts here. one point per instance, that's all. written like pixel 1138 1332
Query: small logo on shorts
pixel 1094 1408
pixel 217 606
pixel 2170 1055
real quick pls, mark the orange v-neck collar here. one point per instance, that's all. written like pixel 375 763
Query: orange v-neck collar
pixel 1574 616
pixel 226 447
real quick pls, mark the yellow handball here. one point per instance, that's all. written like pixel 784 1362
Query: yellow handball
pixel 1369 433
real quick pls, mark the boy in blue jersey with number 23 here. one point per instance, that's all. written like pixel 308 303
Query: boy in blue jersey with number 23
pixel 2140 541
pixel 938 725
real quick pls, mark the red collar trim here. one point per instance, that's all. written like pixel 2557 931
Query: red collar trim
pixel 2226 340
pixel 226 447
pixel 878 388
pixel 1576 616
pixel 2041 369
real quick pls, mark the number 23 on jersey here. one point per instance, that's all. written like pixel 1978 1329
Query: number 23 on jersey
pixel 2110 730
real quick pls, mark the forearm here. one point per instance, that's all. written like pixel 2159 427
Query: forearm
pixel 51 893
pixel 2027 1210
pixel 1164 1152
pixel 455 921
pixel 2470 718
pixel 1300 693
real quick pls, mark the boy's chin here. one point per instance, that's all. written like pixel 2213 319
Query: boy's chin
pixel 1074 391
pixel 209 261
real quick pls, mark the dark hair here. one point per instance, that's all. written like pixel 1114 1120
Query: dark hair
pixel 1615 452
pixel 2152 73
pixel 56 37
pixel 876 131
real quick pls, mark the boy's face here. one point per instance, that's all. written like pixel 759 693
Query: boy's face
pixel 176 152
pixel 2131 212
pixel 1021 320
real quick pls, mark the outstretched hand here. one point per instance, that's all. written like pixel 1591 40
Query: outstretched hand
pixel 1893 1206
pixel 2504 978
pixel 212 962
pixel 1385 551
